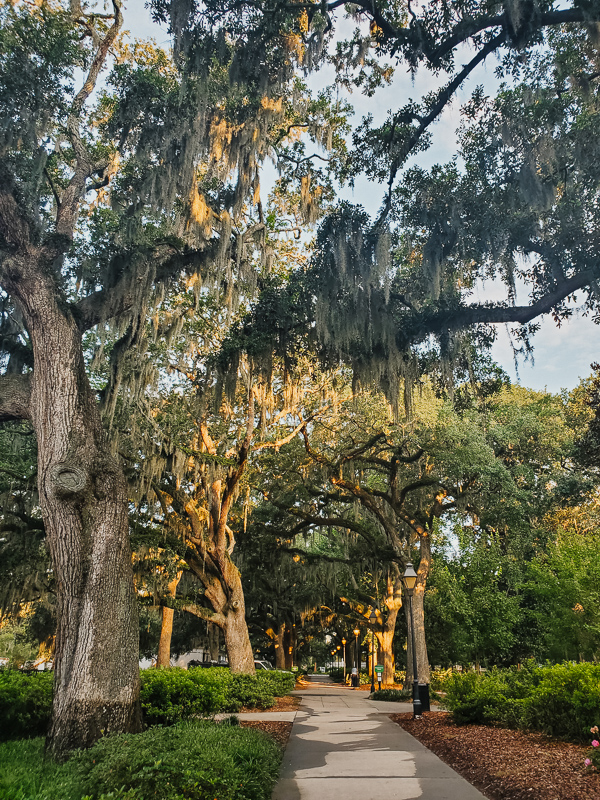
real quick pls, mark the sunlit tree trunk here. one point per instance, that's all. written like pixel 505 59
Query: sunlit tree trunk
pixel 418 614
pixel 166 629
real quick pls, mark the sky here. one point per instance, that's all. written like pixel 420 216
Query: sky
pixel 562 356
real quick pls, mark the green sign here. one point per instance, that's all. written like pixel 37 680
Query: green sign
pixel 379 668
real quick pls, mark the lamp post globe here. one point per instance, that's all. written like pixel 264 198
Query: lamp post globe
pixel 409 579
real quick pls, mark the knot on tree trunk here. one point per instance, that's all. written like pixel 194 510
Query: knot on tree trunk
pixel 68 480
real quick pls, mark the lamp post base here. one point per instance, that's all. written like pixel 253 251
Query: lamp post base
pixel 417 707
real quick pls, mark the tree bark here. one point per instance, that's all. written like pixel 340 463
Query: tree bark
pixel 385 637
pixel 83 500
pixel 166 629
pixel 223 589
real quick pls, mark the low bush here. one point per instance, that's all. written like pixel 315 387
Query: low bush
pixel 174 694
pixel 250 691
pixel 194 760
pixel 561 700
pixel 392 695
pixel 278 682
pixel 336 674
pixel 167 696
pixel 171 695
pixel 25 703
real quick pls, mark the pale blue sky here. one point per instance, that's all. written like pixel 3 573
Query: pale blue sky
pixel 561 356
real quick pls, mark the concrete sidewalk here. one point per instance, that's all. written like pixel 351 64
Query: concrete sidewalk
pixel 343 746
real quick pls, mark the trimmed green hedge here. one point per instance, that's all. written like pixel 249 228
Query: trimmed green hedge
pixel 173 694
pixel 25 703
pixel 167 696
pixel 561 700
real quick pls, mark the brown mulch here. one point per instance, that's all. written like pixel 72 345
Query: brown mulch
pixel 506 764
pixel 281 704
pixel 280 731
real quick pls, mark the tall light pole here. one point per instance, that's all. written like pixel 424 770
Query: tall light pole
pixel 409 579
pixel 372 621
pixel 356 632
pixel 344 652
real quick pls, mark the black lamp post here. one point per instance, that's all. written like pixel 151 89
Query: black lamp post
pixel 409 579
pixel 344 654
pixel 372 621
pixel 356 632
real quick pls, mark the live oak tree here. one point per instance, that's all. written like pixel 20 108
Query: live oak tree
pixel 517 205
pixel 107 194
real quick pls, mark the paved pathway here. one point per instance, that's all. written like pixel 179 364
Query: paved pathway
pixel 343 746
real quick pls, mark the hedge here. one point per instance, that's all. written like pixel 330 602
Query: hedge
pixel 561 700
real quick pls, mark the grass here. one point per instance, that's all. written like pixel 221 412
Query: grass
pixel 197 760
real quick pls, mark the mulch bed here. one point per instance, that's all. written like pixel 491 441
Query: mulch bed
pixel 505 764
pixel 280 731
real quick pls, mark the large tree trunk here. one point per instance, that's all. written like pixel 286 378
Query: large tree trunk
pixel 225 593
pixel 84 505
pixel 166 629
pixel 385 636
pixel 418 613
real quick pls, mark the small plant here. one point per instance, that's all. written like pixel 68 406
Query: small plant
pixel 593 757
pixel 392 695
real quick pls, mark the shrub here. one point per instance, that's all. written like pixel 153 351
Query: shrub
pixel 189 761
pixel 171 695
pixel 566 701
pixel 392 695
pixel 561 700
pixel 174 694
pixel 278 682
pixel 25 703
pixel 336 674
pixel 192 760
pixel 251 691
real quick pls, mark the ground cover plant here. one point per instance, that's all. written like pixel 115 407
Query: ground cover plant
pixel 561 700
pixel 195 760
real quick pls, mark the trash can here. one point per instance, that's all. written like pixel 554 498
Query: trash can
pixel 424 696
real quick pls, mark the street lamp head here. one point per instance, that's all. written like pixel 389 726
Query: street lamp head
pixel 373 617
pixel 409 579
pixel 356 631
pixel 343 641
